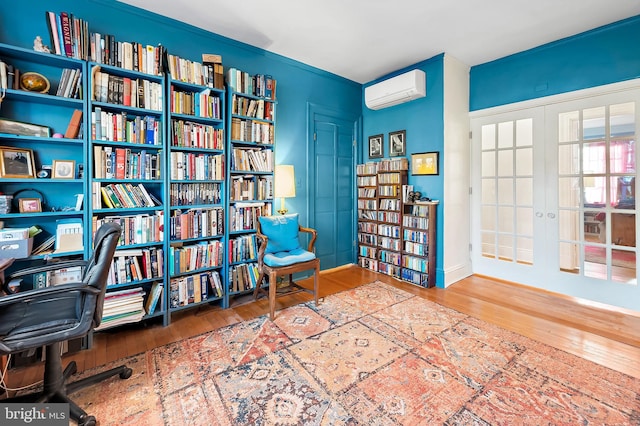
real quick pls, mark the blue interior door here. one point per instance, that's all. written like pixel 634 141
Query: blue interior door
pixel 333 196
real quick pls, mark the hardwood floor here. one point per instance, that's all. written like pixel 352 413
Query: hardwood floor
pixel 610 337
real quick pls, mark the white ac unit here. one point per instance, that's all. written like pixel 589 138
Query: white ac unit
pixel 396 90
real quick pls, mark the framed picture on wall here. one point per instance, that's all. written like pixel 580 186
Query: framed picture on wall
pixel 375 146
pixel 424 163
pixel 397 143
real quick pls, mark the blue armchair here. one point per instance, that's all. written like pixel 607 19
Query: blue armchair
pixel 281 254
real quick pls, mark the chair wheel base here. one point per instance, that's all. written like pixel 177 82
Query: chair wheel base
pixel 126 373
pixel 87 421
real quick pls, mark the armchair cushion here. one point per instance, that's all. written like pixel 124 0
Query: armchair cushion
pixel 286 258
pixel 282 232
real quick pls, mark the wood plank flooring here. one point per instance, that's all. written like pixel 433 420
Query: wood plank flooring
pixel 607 336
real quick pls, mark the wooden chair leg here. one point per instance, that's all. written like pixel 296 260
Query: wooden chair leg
pixel 316 284
pixel 256 291
pixel 272 294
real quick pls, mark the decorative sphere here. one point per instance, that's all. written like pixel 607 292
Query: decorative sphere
pixel 34 82
pixel 58 135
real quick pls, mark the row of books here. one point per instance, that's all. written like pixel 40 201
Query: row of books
pixel 121 127
pixel 105 49
pixel 192 166
pixel 205 254
pixel 136 229
pixel 255 108
pixel 185 194
pixel 69 35
pixel 260 85
pixel 245 217
pixel 243 277
pixel 194 288
pixel 122 307
pixel 196 135
pixel 250 159
pixel 133 92
pixel 155 298
pixel 70 85
pixel 245 188
pixel 258 132
pixel 203 104
pixel 130 265
pixel 243 248
pixel 124 163
pixel 196 223
pixel 126 195
pixel 208 73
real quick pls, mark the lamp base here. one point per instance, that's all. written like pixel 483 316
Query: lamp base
pixel 283 211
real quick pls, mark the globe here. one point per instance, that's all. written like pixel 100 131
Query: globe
pixel 34 82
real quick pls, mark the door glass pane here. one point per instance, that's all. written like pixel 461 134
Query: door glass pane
pixel 569 126
pixel 524 162
pixel 569 192
pixel 488 218
pixel 488 164
pixel 569 257
pixel 505 247
pixel 505 219
pixel 488 137
pixel 524 252
pixel 505 163
pixel 594 158
pixel 569 159
pixel 623 192
pixel 595 194
pixel 505 134
pixel 593 123
pixel 524 191
pixel 524 132
pixel 488 191
pixel 488 244
pixel 524 221
pixel 568 225
pixel 505 191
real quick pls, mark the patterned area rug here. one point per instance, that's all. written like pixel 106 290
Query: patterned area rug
pixel 373 355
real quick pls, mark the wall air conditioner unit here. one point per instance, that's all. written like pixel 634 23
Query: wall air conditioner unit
pixel 396 90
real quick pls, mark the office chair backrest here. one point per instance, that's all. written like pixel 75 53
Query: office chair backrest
pixel 97 270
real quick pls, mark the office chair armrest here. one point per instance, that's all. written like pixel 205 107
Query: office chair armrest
pixel 47 291
pixel 46 268
pixel 314 235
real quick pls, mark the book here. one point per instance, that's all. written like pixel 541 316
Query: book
pixel 74 125
pixel 154 297
pixel 66 34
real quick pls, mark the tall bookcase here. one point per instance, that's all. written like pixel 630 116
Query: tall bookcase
pixel 392 175
pixel 196 190
pixel 35 136
pixel 367 181
pixel 128 185
pixel 252 107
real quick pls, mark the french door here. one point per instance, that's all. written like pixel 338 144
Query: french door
pixel 554 196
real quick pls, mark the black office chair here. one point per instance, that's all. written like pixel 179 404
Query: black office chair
pixel 49 316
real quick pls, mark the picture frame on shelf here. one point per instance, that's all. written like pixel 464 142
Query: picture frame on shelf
pixel 16 163
pixel 398 143
pixel 30 205
pixel 376 146
pixel 18 128
pixel 424 163
pixel 64 169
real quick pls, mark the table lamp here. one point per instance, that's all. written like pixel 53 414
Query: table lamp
pixel 285 184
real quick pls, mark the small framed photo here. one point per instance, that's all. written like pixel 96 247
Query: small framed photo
pixel 29 205
pixel 16 163
pixel 424 163
pixel 397 143
pixel 375 146
pixel 64 169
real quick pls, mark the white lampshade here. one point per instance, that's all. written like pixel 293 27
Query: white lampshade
pixel 285 181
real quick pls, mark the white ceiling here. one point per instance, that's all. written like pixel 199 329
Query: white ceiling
pixel 363 40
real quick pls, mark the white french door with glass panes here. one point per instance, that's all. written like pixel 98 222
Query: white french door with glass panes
pixel 554 195
pixel 509 197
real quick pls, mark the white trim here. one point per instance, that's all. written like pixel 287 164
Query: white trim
pixel 561 97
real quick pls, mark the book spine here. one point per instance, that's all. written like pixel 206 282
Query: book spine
pixel 66 34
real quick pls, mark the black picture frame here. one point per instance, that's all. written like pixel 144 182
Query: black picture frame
pixel 398 143
pixel 425 163
pixel 376 146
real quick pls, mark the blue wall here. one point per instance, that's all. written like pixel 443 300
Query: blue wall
pixel 297 82
pixel 423 120
pixel 601 56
